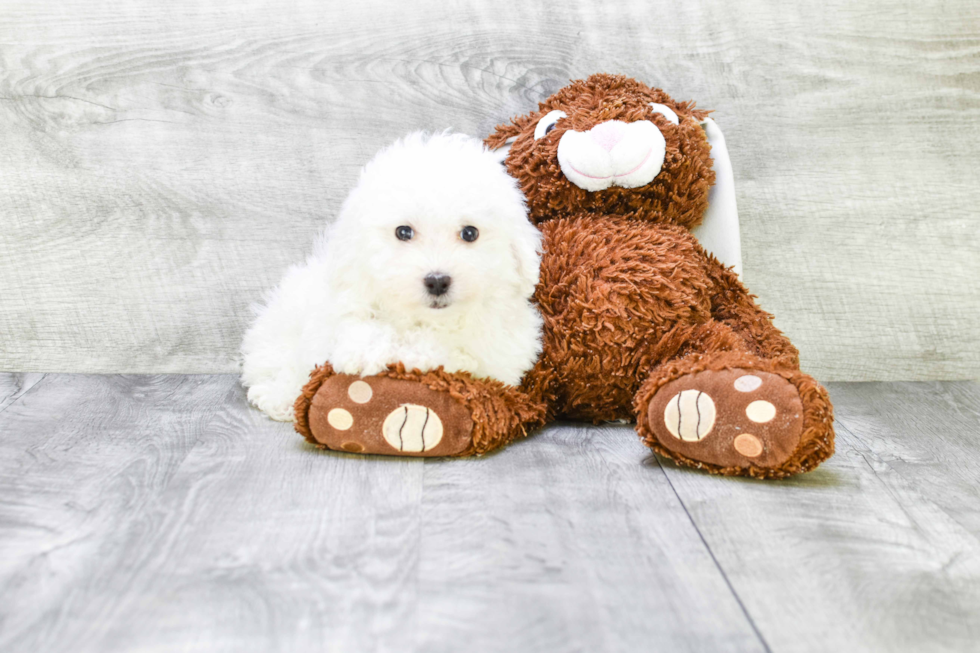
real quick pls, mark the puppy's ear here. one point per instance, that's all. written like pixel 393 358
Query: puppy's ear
pixel 501 152
pixel 527 258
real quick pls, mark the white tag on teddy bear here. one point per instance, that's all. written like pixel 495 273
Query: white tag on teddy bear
pixel 718 232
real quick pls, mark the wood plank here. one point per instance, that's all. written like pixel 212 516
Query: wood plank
pixel 270 544
pixel 568 542
pixel 153 533
pixel 160 513
pixel 14 386
pixel 162 164
pixel 83 460
pixel 153 513
pixel 926 433
pixel 867 553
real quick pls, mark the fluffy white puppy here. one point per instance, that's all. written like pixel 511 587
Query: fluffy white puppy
pixel 432 261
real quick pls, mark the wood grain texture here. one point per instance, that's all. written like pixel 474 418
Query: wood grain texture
pixel 160 513
pixel 14 386
pixel 163 163
pixel 889 420
pixel 878 549
pixel 565 542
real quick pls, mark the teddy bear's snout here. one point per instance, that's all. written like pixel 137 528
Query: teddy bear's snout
pixel 608 134
pixel 612 153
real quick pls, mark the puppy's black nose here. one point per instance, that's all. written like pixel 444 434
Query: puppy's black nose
pixel 437 283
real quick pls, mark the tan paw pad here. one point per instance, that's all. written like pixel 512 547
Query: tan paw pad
pixel 747 383
pixel 340 419
pixel 690 415
pixel 360 392
pixel 760 411
pixel 748 445
pixel 412 428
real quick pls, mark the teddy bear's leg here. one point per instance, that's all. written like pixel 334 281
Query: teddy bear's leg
pixel 733 306
pixel 720 406
pixel 411 413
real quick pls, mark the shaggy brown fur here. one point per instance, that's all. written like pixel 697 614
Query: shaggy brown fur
pixel 631 301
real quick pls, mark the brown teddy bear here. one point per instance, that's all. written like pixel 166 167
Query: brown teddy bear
pixel 640 322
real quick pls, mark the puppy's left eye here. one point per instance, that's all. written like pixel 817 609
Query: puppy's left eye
pixel 469 234
pixel 404 232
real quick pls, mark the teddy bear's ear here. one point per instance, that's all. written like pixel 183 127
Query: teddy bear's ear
pixel 505 134
pixel 718 232
pixel 501 152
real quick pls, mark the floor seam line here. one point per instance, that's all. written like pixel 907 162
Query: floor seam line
pixel 31 389
pixel 909 483
pixel 728 583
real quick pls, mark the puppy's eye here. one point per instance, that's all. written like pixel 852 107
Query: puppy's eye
pixel 404 232
pixel 469 234
pixel 548 123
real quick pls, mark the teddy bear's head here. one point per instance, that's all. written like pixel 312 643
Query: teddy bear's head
pixel 610 144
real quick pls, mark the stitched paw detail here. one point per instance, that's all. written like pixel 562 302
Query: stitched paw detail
pixel 380 415
pixel 412 428
pixel 729 417
pixel 690 415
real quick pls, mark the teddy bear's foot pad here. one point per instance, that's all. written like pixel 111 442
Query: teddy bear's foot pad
pixel 731 418
pixel 380 415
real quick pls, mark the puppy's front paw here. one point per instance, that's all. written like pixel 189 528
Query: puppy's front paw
pixel 276 402
pixel 462 361
pixel 357 364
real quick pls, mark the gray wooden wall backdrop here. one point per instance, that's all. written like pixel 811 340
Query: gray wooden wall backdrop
pixel 162 162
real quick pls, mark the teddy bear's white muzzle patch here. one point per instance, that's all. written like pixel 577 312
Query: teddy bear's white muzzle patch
pixel 613 153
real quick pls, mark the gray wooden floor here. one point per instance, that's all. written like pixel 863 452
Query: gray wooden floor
pixel 160 513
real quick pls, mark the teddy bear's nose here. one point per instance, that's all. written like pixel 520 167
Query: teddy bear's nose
pixel 607 134
pixel 437 283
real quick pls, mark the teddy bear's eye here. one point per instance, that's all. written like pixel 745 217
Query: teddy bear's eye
pixel 469 233
pixel 548 123
pixel 666 112
pixel 404 232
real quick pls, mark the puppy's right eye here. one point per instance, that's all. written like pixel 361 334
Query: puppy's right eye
pixel 404 232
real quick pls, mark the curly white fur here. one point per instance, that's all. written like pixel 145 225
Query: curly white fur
pixel 359 300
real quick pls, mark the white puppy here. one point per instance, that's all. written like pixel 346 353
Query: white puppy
pixel 432 261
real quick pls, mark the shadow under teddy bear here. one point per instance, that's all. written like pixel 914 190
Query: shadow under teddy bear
pixel 640 322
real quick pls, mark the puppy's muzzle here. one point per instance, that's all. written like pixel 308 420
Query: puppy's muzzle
pixel 437 283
